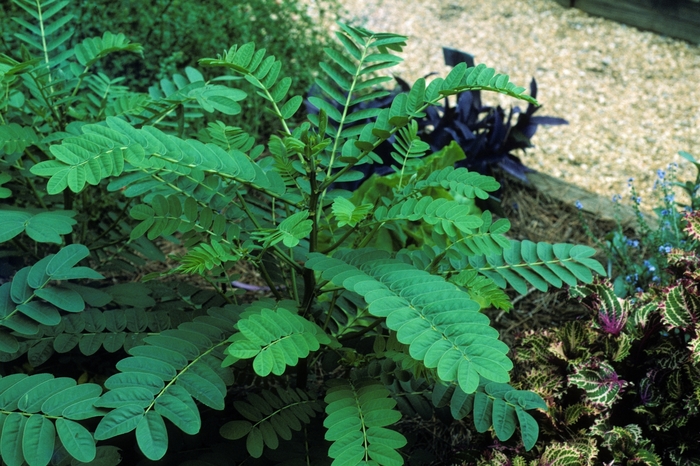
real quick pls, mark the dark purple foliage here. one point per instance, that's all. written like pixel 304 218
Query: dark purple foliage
pixel 488 136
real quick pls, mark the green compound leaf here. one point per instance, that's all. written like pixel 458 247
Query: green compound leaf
pixel 294 228
pixel 270 416
pixel 354 408
pixel 538 264
pixel 43 227
pixel 276 339
pixel 347 213
pixel 92 49
pixel 439 322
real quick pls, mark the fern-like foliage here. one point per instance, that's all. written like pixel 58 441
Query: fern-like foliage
pixel 439 322
pixel 539 265
pixel 357 416
pixel 30 299
pixel 269 417
pixel 43 227
pixel 40 411
pixel 263 73
pixel 343 268
pixel 15 138
pixel 90 50
pixel 102 151
pixel 275 339
pixel 161 380
pixel 494 405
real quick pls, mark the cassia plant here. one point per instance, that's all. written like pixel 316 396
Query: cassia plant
pixel 106 174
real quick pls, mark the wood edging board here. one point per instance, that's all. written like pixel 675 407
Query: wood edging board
pixel 674 18
pixel 600 206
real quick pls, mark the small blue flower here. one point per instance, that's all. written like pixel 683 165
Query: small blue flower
pixel 655 278
pixel 661 174
pixel 639 290
pixel 616 198
pixel 578 205
pixel 666 248
pixel 664 212
pixel 670 198
pixel 633 243
pixel 638 200
pixel 649 266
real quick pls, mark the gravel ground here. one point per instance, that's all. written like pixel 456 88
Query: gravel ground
pixel 632 97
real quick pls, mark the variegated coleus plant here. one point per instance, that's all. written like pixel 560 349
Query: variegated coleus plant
pixel 623 385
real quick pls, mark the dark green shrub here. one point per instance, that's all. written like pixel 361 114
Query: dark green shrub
pixel 176 33
pixel 99 175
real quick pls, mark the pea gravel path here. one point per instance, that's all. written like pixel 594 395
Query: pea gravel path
pixel 632 97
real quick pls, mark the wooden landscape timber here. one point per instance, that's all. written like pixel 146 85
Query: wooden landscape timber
pixel 674 18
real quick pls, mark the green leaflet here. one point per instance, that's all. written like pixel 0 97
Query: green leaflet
pixel 177 406
pixel 275 339
pixel 38 440
pixel 270 416
pixel 11 439
pixel 152 436
pixel 357 414
pixel 119 421
pixel 76 439
pixel 440 323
